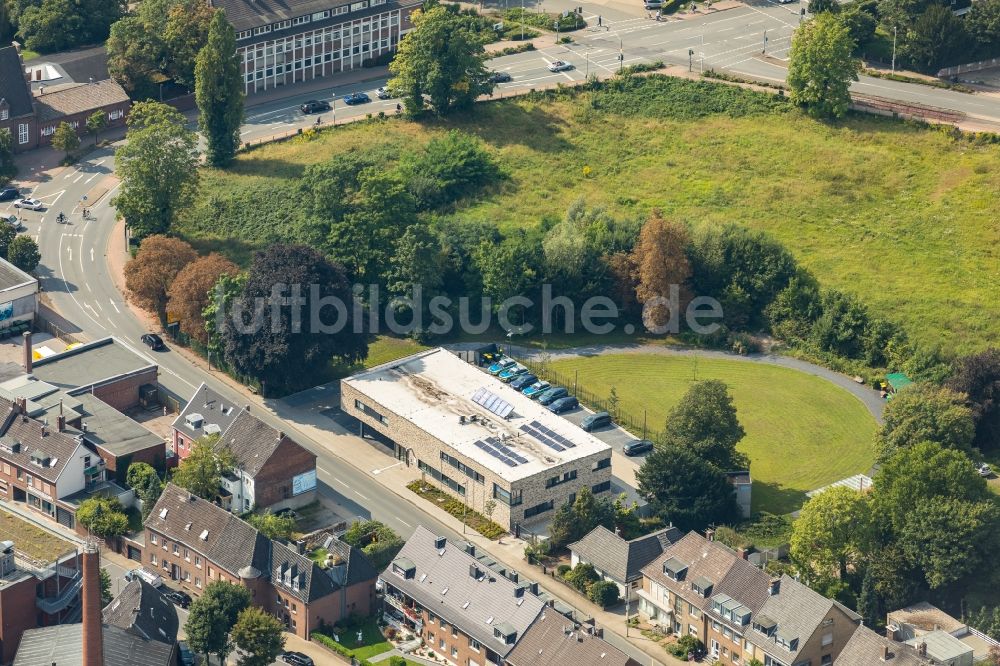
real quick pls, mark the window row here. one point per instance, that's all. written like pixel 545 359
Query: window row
pixel 302 20
pixel 443 478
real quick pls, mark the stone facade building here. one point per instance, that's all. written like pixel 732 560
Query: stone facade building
pixel 476 437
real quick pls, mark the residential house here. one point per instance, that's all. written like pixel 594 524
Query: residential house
pixel 944 638
pixel 618 560
pixel 32 116
pixel 194 542
pixel 142 610
pixel 867 648
pixel 462 610
pixel 552 640
pixel 703 588
pixel 92 642
pixel 272 470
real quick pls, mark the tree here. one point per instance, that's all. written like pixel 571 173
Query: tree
pixel 157 167
pixel 376 540
pixel 65 138
pixel 103 516
pixel 795 309
pixel 105 587
pixel 937 38
pixel 201 471
pixel 488 508
pixel 705 423
pixel 573 520
pixel 924 412
pixel 831 534
pixel 212 616
pixel 146 483
pixel 220 301
pixel 7 167
pixel 54 25
pixel 151 272
pixel 582 576
pixel 660 258
pixel 684 489
pixel 821 66
pixel 258 635
pixel 982 23
pixel 273 526
pixel 627 521
pixel 287 348
pixel 448 168
pixel 417 262
pixel 604 593
pixel 23 253
pixel 821 6
pixel 185 35
pixel 977 376
pixel 442 57
pixel 135 52
pixel 219 91
pixel 869 607
pixel 7 236
pixel 509 269
pixel 191 290
pixel 97 122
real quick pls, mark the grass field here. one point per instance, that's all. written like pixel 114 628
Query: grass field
pixel 902 215
pixel 33 541
pixel 802 431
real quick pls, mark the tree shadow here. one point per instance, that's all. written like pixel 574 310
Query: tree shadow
pixel 776 498
pixel 506 123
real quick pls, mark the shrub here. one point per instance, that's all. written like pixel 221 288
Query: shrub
pixel 604 593
pixel 396 660
pixel 582 576
pixel 563 569
pixel 686 646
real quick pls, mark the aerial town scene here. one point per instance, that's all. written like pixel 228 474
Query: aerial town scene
pixel 499 333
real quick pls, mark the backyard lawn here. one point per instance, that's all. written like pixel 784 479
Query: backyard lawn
pixel 372 641
pixel 802 431
pixel 901 215
pixel 33 541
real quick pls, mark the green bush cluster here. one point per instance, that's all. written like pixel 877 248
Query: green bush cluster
pixel 685 646
pixel 543 21
pixel 456 508
pixel 520 48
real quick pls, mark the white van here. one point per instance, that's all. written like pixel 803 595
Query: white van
pixel 652 4
pixel 145 575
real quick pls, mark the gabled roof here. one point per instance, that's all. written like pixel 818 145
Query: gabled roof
pixel 142 610
pixel 704 558
pixel 866 648
pixel 623 560
pixel 251 441
pixel 13 86
pixel 34 440
pixel 79 98
pixel 443 584
pixel 214 410
pixel 63 644
pixel 798 612
pixel 555 641
pixel 308 581
pixel 202 526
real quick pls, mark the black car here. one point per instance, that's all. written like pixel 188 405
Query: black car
pixel 356 98
pixel 296 659
pixel 523 381
pixel 153 341
pixel 9 194
pixel 500 77
pixel 564 405
pixel 314 106
pixel 178 598
pixel 185 655
pixel 637 447
pixel 595 421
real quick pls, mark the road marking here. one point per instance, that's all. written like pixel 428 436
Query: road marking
pixel 93 177
pixel 99 305
pixel 113 305
pixel 341 482
pixel 69 175
pixel 88 287
pixel 361 496
pixel 91 254
pixel 96 313
pixel 404 522
pixel 70 250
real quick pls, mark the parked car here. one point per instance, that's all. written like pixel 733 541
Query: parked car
pixel 146 575
pixel 536 390
pixel 552 395
pixel 564 405
pixel 185 654
pixel 314 106
pixel 383 93
pixel 30 204
pixel 500 366
pixel 512 372
pixel 637 447
pixel 984 470
pixel 12 221
pixel 560 66
pixel 296 659
pixel 178 598
pixel 356 98
pixel 500 77
pixel 153 341
pixel 595 421
pixel 492 356
pixel 9 194
pixel 523 381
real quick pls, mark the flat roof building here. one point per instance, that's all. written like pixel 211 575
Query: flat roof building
pixel 478 438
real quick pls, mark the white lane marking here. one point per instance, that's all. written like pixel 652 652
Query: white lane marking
pixel 361 496
pixel 404 522
pixel 99 305
pixel 91 254
pixel 88 287
pixel 70 250
pixel 93 177
pixel 341 482
pixel 70 175
pixel 96 313
pixel 114 306
pixel 77 179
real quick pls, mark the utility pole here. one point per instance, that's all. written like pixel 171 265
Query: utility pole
pixel 522 20
pixel 893 49
pixel 763 50
pixel 621 55
pixel 690 60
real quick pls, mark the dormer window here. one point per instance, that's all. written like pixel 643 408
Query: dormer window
pixel 764 625
pixel 674 569
pixel 702 586
pixel 404 567
pixel 505 633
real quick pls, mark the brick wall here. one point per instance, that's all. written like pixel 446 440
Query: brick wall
pixel 123 393
pixel 17 615
pixel 273 483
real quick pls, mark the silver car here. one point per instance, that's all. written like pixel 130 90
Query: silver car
pixel 560 66
pixel 30 204
pixel 383 93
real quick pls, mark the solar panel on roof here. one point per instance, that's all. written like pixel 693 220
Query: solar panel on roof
pixel 492 402
pixel 509 462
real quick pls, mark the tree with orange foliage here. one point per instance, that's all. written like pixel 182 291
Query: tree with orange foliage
pixel 191 291
pixel 150 273
pixel 660 261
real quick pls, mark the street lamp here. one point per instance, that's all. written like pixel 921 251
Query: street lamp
pixel 893 49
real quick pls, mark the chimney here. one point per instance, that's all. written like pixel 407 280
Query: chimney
pixel 922 649
pixel 710 535
pixel 61 419
pixel 93 631
pixel 27 352
pixel 885 653
pixel 742 553
pixel 890 632
pixel 774 587
pixel 440 542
